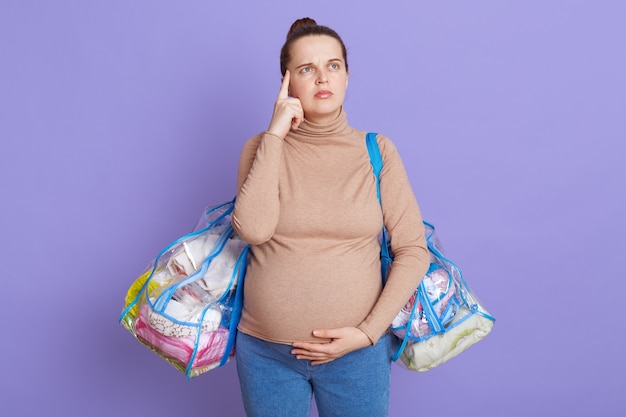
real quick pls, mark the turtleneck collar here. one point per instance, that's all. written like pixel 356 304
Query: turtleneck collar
pixel 333 128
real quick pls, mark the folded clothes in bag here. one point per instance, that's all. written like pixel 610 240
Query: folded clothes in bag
pixel 187 303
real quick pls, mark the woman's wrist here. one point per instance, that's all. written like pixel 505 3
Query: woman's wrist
pixel 267 132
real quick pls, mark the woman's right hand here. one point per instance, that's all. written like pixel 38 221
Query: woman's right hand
pixel 288 112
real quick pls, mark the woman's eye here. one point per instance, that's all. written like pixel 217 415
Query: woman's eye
pixel 306 70
pixel 334 66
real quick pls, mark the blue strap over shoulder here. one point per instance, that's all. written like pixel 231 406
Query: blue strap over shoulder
pixel 377 166
pixel 386 258
pixel 375 159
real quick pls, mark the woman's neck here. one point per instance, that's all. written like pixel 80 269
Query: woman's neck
pixel 323 119
pixel 334 126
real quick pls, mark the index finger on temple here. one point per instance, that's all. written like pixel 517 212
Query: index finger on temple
pixel 284 87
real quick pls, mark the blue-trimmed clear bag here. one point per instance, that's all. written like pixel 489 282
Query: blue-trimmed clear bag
pixel 443 317
pixel 186 304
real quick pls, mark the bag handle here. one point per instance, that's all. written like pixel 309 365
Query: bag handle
pixel 385 256
pixel 377 166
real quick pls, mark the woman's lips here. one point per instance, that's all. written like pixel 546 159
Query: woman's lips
pixel 323 94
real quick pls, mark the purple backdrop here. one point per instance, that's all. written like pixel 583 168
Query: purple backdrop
pixel 121 120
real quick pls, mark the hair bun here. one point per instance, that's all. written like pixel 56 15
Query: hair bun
pixel 299 24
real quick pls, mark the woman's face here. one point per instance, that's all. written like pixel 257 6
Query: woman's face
pixel 318 77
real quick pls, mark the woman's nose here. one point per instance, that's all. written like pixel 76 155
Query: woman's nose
pixel 322 78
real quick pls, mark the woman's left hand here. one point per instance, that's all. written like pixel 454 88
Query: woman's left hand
pixel 343 340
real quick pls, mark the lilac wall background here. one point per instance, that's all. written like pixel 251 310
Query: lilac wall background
pixel 120 121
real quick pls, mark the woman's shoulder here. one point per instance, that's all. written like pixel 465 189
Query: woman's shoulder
pixel 252 143
pixel 385 144
pixel 254 140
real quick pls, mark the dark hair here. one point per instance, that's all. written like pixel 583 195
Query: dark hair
pixel 306 27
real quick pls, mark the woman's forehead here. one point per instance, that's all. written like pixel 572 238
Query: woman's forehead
pixel 315 48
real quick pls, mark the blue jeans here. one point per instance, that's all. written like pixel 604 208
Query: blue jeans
pixel 275 384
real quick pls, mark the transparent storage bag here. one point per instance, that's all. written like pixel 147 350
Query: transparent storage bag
pixel 443 317
pixel 186 304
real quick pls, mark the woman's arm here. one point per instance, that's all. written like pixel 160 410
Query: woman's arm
pixel 257 207
pixel 403 220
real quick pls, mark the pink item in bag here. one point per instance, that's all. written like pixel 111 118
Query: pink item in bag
pixel 211 345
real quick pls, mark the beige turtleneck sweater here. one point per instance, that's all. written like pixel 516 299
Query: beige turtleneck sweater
pixel 307 205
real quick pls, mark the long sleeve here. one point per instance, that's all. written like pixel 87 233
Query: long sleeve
pixel 403 220
pixel 257 206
